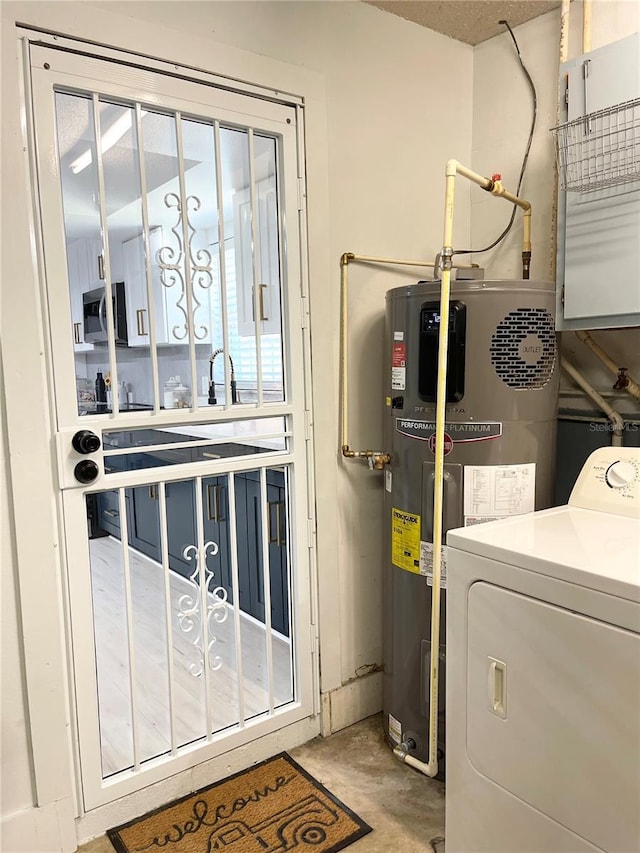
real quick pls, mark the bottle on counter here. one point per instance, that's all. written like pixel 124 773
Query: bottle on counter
pixel 101 392
pixel 122 395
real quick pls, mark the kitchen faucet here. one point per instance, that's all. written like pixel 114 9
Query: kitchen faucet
pixel 212 387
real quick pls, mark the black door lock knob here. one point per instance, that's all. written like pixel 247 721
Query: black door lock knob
pixel 86 471
pixel 85 441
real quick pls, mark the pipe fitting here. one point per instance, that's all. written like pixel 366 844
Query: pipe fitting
pixel 446 258
pixel 622 382
pixel 346 257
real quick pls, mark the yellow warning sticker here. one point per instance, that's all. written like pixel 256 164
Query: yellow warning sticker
pixel 405 540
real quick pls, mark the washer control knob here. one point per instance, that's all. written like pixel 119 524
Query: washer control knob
pixel 620 474
pixel 86 471
pixel 85 441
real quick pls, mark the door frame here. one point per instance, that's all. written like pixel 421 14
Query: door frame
pixel 44 628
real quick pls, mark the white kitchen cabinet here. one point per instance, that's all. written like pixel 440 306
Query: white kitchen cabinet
pixel 84 275
pixel 168 301
pixel 268 285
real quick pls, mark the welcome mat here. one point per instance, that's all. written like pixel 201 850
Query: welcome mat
pixel 271 808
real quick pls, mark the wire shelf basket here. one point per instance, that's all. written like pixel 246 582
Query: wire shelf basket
pixel 602 149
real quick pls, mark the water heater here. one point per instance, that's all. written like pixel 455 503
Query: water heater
pixel 500 432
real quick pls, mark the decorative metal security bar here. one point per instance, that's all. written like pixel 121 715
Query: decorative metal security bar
pixel 193 639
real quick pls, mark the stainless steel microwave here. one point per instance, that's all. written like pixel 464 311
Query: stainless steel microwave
pixel 94 309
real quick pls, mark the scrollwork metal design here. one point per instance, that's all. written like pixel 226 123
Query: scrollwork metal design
pixel 171 263
pixel 190 616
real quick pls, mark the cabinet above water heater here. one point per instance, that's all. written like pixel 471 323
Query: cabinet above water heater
pixel 598 261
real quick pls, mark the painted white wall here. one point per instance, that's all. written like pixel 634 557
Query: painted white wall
pixel 15 765
pixel 501 120
pixel 375 186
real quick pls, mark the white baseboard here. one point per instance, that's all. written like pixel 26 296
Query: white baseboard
pixel 49 829
pixel 351 703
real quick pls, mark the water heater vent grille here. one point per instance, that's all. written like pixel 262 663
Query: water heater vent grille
pixel 523 348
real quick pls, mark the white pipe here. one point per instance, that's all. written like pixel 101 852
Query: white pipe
pixel 615 418
pixel 493 185
pixel 562 57
pixel 632 386
pixel 564 31
pixel 586 26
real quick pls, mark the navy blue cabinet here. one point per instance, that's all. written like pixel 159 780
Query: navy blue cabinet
pixel 215 505
pixel 143 523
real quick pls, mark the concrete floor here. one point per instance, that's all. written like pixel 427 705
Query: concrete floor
pixel 405 809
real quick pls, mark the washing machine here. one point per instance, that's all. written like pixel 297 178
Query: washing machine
pixel 543 680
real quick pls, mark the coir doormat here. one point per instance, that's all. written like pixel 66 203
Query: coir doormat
pixel 273 807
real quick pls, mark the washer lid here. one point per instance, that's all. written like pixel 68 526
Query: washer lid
pixel 593 549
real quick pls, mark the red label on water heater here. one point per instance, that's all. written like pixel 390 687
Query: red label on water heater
pixel 399 366
pixel 399 355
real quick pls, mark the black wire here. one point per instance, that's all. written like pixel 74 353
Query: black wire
pixel 524 159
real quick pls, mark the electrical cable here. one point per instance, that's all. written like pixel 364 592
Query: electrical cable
pixel 534 98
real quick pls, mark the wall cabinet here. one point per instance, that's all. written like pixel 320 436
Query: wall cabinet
pixel 84 275
pixel 267 296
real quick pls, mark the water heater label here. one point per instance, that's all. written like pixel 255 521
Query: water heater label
pixel 458 433
pixel 496 491
pixel 426 563
pixel 405 540
pixel 399 364
pixel 395 729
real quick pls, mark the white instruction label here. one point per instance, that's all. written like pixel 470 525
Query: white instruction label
pixel 395 729
pixel 388 480
pixel 426 563
pixel 496 491
pixel 398 336
pixel 470 520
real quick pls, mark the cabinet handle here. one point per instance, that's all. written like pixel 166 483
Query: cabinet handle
pixel 213 514
pixel 140 321
pixel 101 267
pixel 77 337
pixel 278 539
pixel 261 289
pixel 153 491
pixel 112 513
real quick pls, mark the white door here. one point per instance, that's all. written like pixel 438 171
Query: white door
pixel 183 430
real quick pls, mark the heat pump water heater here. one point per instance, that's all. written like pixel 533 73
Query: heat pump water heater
pixel 499 455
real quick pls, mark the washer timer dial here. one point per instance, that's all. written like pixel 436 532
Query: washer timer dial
pixel 621 474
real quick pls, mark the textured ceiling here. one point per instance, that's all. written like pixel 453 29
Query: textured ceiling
pixel 471 21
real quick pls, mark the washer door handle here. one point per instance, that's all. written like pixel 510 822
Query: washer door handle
pixel 498 687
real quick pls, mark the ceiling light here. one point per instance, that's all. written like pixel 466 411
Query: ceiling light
pixel 107 140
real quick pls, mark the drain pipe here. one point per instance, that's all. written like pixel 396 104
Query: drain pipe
pixel 624 382
pixel 615 418
pixel 493 186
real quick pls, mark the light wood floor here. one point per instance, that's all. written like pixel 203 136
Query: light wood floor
pixel 151 662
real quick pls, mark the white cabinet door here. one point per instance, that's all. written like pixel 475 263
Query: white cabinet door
pixel 136 292
pixel 79 282
pixel 268 296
